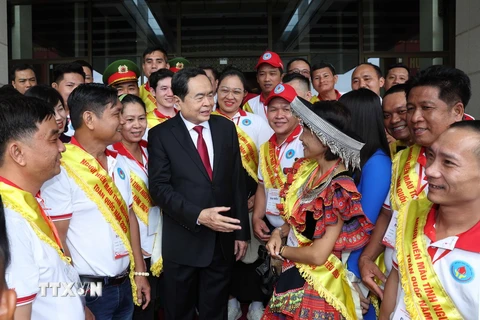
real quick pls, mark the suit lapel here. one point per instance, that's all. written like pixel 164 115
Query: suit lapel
pixel 180 132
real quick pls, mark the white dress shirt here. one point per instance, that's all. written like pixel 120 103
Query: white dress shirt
pixel 207 136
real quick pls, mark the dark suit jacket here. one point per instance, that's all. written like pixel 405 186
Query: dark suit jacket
pixel 180 186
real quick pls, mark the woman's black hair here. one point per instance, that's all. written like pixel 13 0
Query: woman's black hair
pixel 45 93
pixel 130 98
pixel 334 113
pixel 367 122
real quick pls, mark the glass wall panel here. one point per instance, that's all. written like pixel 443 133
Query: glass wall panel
pixel 405 26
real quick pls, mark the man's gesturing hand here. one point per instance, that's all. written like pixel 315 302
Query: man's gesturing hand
pixel 212 219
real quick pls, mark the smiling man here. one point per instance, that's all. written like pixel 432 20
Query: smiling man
pixel 276 155
pixel 196 177
pixel 269 73
pixel 161 87
pixel 436 98
pixel 30 152
pixel 90 203
pixel 394 105
pixel 442 237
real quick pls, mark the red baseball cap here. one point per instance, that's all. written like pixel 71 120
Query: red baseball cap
pixel 270 58
pixel 284 91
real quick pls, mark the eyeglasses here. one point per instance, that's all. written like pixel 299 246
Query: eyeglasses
pixel 304 72
pixel 224 91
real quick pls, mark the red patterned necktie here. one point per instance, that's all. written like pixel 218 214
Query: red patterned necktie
pixel 203 151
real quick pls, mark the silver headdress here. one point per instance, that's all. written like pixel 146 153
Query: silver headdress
pixel 342 145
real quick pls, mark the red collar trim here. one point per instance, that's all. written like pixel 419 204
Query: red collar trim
pixel 337 93
pixel 295 133
pixel 120 148
pixel 147 86
pixel 161 115
pixel 241 111
pixel 262 99
pixel 10 183
pixel 108 152
pixel 467 240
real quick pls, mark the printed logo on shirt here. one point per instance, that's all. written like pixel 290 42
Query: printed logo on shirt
pixel 246 122
pixel 267 56
pixel 121 173
pixel 290 153
pixel 461 271
pixel 279 88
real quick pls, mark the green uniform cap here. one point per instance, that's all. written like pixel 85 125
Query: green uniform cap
pixel 121 71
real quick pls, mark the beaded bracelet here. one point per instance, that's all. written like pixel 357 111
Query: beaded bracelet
pixel 145 274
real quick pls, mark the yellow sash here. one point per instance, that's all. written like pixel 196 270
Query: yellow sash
pixel 148 98
pixel 89 175
pixel 273 176
pixel 330 279
pixel 27 206
pixel 153 120
pixel 425 297
pixel 246 107
pixel 142 202
pixel 405 179
pixel 248 150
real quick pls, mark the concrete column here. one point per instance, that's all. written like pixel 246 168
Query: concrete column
pixel 22 32
pixel 3 43
pixel 467 48
pixel 431 30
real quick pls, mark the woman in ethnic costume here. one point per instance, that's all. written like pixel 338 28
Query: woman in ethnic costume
pixel 324 220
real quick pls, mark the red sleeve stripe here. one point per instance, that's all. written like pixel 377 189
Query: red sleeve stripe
pixel 386 206
pixel 25 300
pixel 395 265
pixel 61 217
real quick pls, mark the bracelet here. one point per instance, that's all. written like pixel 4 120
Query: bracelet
pixel 145 274
pixel 281 251
pixel 280 230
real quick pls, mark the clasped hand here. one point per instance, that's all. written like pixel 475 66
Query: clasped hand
pixel 212 219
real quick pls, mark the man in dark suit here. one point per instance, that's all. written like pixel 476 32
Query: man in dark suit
pixel 196 178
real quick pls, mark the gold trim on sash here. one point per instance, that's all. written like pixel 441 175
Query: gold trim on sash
pixel 325 278
pixel 403 186
pixel 246 107
pixel 269 164
pixel 25 204
pixel 142 202
pixel 99 187
pixel 248 150
pixel 425 296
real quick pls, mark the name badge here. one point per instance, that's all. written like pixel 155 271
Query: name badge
pixel 291 239
pixel 153 221
pixel 273 198
pixel 119 250
pixel 391 234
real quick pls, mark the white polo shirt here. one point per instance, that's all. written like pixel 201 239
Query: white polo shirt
pixel 290 150
pixel 147 232
pixel 255 126
pixel 257 107
pixel 458 270
pixel 90 238
pixel 34 263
